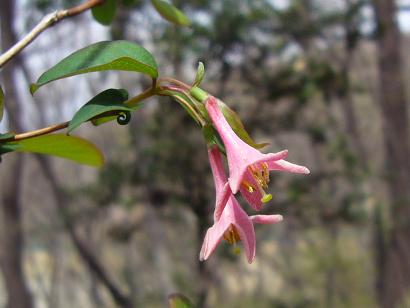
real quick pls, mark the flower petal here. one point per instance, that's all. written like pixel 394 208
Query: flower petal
pixel 236 179
pixel 221 200
pixel 254 199
pixel 244 225
pixel 266 219
pixel 217 167
pixel 213 237
pixel 283 165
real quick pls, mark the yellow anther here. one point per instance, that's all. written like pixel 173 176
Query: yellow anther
pixel 261 176
pixel 265 172
pixel 248 186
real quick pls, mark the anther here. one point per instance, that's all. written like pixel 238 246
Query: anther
pixel 248 186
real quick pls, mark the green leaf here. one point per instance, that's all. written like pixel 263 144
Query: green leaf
pixel 6 136
pixel 61 145
pixel 7 147
pixel 179 301
pixel 1 103
pixel 237 126
pixel 102 56
pixel 171 13
pixel 200 73
pixel 105 12
pixel 109 101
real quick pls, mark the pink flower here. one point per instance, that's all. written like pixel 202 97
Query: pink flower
pixel 233 224
pixel 248 167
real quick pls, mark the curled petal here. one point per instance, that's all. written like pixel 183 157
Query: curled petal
pixel 238 170
pixel 266 219
pixel 283 165
pixel 213 237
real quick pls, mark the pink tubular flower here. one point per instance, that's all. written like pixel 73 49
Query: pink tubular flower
pixel 248 167
pixel 233 224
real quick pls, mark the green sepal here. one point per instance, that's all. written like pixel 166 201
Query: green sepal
pixel 181 98
pixel 200 74
pixel 199 94
pixel 212 138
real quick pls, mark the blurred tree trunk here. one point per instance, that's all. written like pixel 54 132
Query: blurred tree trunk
pixel 84 251
pixel 12 233
pixel 394 265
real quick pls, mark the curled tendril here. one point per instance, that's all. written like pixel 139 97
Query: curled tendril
pixel 124 117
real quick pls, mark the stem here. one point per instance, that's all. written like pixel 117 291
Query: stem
pixel 164 92
pixel 174 81
pixel 48 21
pixel 132 102
pixel 39 132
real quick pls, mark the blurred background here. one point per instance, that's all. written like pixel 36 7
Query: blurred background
pixel 326 79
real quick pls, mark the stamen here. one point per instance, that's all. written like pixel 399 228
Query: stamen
pixel 265 172
pixel 261 176
pixel 231 235
pixel 248 186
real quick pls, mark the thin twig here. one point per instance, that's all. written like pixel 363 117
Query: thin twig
pixel 39 132
pixel 47 22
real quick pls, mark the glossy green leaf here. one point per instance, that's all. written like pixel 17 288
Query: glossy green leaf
pixel 179 301
pixel 237 126
pixel 102 56
pixel 200 73
pixel 171 13
pixel 1 103
pixel 105 12
pixel 107 102
pixel 61 145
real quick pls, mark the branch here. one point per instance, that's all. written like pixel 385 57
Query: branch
pixel 47 22
pixel 132 102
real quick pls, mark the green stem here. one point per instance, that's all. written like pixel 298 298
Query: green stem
pixel 132 102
